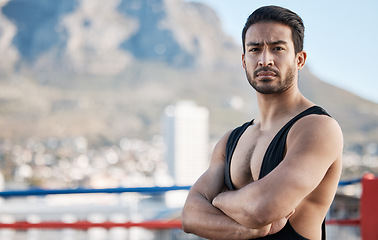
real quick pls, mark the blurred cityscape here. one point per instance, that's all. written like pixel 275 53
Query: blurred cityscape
pixel 72 162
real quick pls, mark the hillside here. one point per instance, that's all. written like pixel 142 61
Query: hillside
pixel 106 71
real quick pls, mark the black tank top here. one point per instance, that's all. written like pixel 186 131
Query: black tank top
pixel 273 156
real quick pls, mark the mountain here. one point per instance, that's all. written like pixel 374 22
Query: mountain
pixel 108 70
pixel 88 36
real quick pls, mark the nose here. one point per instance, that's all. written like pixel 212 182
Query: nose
pixel 265 59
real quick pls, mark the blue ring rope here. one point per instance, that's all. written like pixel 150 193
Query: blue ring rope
pixel 349 182
pixel 146 190
pixel 41 192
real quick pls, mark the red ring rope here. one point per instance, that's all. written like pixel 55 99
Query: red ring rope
pixel 83 225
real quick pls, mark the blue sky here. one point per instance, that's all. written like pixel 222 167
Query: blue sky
pixel 340 37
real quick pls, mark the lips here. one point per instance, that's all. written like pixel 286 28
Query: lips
pixel 266 72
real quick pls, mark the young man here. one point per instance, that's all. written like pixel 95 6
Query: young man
pixel 276 176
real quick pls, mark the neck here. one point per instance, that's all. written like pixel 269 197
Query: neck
pixel 276 107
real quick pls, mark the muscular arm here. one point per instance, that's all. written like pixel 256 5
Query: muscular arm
pixel 313 145
pixel 200 217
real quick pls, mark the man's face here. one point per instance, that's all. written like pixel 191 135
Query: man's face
pixel 269 60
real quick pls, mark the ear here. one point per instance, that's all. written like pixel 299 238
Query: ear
pixel 301 59
pixel 243 60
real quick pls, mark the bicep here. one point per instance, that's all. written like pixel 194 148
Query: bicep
pixel 312 147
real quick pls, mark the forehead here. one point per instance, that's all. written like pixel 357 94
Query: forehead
pixel 264 32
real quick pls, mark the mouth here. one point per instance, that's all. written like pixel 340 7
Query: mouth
pixel 265 72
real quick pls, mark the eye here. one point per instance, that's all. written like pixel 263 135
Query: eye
pixel 254 49
pixel 278 48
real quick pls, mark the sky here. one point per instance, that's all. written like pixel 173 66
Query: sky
pixel 339 37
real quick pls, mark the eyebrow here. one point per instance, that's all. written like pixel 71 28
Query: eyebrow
pixel 268 43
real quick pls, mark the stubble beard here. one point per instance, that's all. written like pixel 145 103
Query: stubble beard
pixel 268 88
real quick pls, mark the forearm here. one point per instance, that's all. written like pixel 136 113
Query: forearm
pixel 252 212
pixel 201 218
pixel 246 212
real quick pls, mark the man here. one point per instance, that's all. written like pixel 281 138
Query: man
pixel 276 176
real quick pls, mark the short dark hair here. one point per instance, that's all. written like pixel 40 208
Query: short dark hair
pixel 280 15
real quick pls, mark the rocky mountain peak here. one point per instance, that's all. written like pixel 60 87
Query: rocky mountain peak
pixel 89 36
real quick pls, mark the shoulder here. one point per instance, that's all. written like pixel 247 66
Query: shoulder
pixel 222 143
pixel 317 132
pixel 315 124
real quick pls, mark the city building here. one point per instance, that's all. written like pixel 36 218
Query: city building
pixel 186 134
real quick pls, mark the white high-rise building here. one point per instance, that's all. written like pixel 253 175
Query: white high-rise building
pixel 186 134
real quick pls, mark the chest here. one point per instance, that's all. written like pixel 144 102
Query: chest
pixel 248 156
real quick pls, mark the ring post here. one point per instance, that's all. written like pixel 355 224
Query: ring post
pixel 369 207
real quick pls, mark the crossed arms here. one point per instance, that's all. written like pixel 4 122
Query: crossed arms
pixel 262 207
